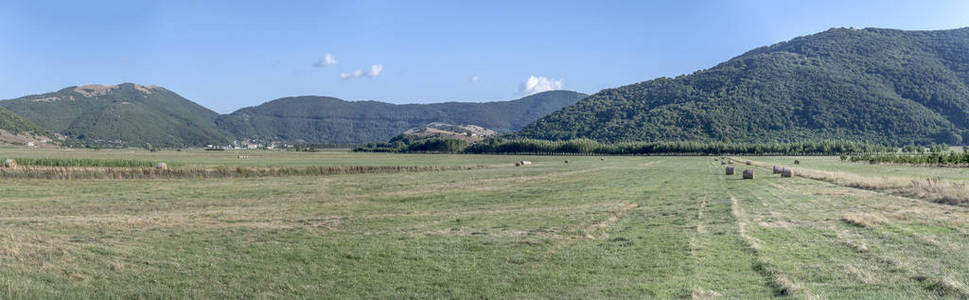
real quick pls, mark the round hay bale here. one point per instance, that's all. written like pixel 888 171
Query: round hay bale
pixel 747 163
pixel 161 166
pixel 9 163
pixel 723 163
pixel 786 172
pixel 797 162
pixel 518 164
pixel 748 174
pixel 729 170
pixel 566 161
pixel 777 170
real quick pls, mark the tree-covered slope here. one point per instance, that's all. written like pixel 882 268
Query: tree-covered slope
pixel 17 125
pixel 315 119
pixel 874 85
pixel 122 115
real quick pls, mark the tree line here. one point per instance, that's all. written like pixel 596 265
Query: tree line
pixel 938 155
pixel 402 144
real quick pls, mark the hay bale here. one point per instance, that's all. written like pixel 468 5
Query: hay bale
pixel 729 170
pixel 797 162
pixel 723 163
pixel 518 164
pixel 9 163
pixel 777 170
pixel 748 174
pixel 786 172
pixel 161 166
pixel 566 161
pixel 525 162
pixel 747 163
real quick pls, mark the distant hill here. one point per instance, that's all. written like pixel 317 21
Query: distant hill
pixel 125 115
pixel 874 85
pixel 314 119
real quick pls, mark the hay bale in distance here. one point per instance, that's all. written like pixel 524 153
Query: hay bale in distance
pixel 9 163
pixel 518 164
pixel 525 162
pixel 566 161
pixel 748 174
pixel 797 162
pixel 747 163
pixel 729 170
pixel 161 166
pixel 723 163
pixel 786 172
pixel 777 170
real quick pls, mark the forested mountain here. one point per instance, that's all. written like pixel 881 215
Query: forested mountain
pixel 314 119
pixel 874 85
pixel 121 115
pixel 15 124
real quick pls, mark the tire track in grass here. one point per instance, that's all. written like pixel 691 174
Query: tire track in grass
pixel 889 233
pixel 723 265
pixel 944 285
pixel 697 292
pixel 783 286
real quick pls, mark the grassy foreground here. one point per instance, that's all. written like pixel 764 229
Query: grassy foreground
pixel 620 227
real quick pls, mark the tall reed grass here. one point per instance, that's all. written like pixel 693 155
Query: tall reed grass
pixel 85 162
pixel 44 172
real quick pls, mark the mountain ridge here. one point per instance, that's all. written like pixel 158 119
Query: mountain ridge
pixel 320 119
pixel 132 115
pixel 876 85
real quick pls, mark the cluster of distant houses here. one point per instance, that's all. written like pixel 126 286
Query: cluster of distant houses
pixel 250 145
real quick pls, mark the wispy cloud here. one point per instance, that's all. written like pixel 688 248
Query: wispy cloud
pixel 373 72
pixel 327 60
pixel 474 78
pixel 539 84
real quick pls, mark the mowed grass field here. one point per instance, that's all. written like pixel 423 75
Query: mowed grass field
pixel 622 227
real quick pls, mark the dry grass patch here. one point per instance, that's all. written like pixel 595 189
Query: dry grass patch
pixel 932 189
pixel 864 219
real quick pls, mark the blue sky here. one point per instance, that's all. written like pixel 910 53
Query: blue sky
pixel 230 54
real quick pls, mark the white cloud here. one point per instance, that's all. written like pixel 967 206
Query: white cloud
pixel 373 72
pixel 474 78
pixel 539 84
pixel 351 75
pixel 327 60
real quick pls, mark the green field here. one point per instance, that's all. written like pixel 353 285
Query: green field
pixel 612 227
